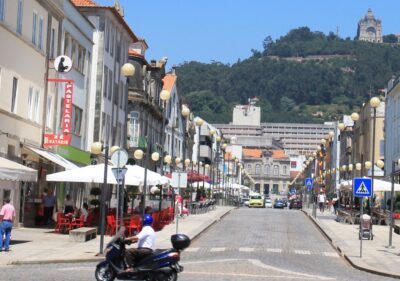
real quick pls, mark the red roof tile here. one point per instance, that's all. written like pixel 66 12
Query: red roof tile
pixel 256 153
pixel 279 154
pixel 169 82
pixel 85 3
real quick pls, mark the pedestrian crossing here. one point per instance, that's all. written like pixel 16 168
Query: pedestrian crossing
pixel 301 252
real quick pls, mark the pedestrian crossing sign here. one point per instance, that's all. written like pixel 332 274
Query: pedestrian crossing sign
pixel 308 183
pixel 362 187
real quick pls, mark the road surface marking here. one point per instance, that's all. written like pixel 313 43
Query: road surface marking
pixel 302 252
pixel 274 250
pixel 217 249
pixel 246 249
pixel 192 249
pixel 330 254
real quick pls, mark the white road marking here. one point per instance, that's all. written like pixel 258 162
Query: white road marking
pixel 217 249
pixel 246 249
pixel 330 254
pixel 272 250
pixel 302 252
pixel 192 249
pixel 263 277
pixel 259 264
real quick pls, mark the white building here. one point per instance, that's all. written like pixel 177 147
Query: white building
pixel 108 96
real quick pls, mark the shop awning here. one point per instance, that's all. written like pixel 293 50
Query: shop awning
pixel 12 171
pixel 53 157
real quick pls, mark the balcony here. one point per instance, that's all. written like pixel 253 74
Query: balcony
pixel 205 152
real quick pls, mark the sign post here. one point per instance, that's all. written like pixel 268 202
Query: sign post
pixel 362 187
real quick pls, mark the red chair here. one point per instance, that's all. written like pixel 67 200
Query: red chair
pixel 134 225
pixel 156 220
pixel 63 223
pixel 165 219
pixel 111 225
pixel 78 222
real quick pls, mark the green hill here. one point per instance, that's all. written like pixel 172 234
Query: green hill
pixel 303 76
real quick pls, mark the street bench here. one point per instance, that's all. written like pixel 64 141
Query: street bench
pixel 82 234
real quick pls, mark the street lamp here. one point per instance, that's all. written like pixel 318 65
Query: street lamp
pixel 374 102
pixel 185 111
pixel 97 148
pixel 199 122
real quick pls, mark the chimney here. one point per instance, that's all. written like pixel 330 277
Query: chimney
pixel 173 69
pixel 153 63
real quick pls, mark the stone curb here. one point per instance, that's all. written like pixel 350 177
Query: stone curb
pixel 342 254
pixel 100 258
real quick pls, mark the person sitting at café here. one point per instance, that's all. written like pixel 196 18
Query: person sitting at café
pixel 68 205
pixel 85 212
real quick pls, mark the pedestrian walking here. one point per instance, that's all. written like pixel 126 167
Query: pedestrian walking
pixel 7 216
pixel 49 203
pixel 321 201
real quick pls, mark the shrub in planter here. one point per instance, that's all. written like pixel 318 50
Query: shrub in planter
pixel 96 191
pixel 94 202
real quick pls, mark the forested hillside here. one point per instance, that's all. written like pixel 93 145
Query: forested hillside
pixel 297 77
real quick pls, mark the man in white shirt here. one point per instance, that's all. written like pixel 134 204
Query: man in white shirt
pixel 146 243
pixel 321 201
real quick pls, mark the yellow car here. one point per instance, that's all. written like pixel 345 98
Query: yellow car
pixel 256 201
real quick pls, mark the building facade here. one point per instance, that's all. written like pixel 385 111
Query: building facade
pixel 392 126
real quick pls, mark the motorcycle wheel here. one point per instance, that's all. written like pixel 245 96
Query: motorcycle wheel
pixel 104 273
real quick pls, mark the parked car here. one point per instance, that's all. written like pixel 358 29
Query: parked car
pixel 295 204
pixel 268 203
pixel 285 201
pixel 279 204
pixel 256 201
pixel 245 201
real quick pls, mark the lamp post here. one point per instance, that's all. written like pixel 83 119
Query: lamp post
pixel 374 102
pixel 218 139
pixel 199 122
pixel 97 148
pixel 185 111
pixel 165 97
pixel 223 148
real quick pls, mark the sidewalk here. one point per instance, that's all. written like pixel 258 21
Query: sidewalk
pixel 376 257
pixel 38 245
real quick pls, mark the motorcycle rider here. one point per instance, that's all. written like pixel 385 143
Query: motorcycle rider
pixel 146 243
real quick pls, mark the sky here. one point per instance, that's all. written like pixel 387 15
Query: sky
pixel 227 30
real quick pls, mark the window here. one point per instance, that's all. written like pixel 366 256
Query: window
pixel 34 27
pixel 52 43
pixel 76 120
pixel 73 54
pixel 49 112
pixel 276 170
pixel 30 103
pixel 105 80
pixel 293 164
pixel 14 95
pixel 258 169
pixel 19 17
pixel 107 36
pixel 112 40
pixel 36 107
pixel 110 84
pixel 266 170
pixel 2 9
pixel 103 126
pixel 284 170
pixel 67 45
pixel 40 39
pixel 116 94
pixel 81 59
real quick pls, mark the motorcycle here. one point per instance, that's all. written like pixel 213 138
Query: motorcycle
pixel 161 265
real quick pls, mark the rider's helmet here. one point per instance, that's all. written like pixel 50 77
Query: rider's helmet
pixel 147 220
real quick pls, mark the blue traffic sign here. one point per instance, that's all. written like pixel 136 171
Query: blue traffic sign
pixel 308 182
pixel 362 187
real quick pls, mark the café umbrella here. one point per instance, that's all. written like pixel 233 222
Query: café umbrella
pixel 95 174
